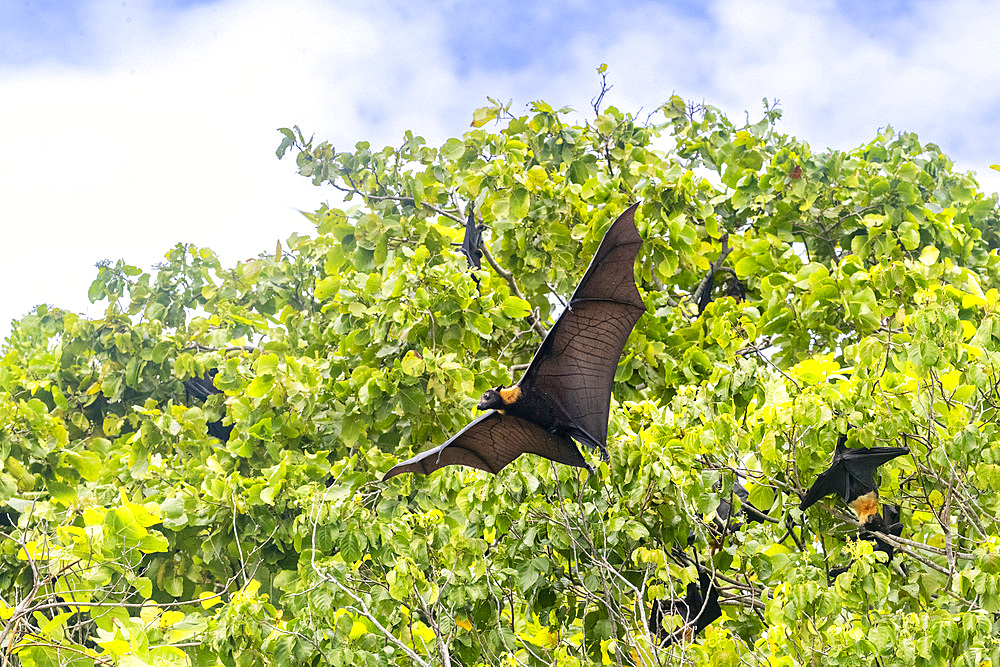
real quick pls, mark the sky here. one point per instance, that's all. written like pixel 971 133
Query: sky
pixel 127 127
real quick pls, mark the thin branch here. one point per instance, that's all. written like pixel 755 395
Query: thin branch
pixel 536 324
pixel 363 610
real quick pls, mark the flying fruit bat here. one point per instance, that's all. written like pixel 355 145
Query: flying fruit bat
pixel 565 394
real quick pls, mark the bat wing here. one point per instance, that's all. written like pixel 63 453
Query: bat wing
pixel 709 609
pixel 575 366
pixel 725 510
pixel 706 295
pixel 489 443
pixel 699 608
pixel 201 387
pixel 862 463
pixel 891 514
pixel 832 480
pixel 220 431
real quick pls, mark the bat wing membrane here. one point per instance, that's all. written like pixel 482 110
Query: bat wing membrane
pixel 862 462
pixel 833 480
pixel 575 366
pixel 470 243
pixel 852 472
pixel 201 387
pixel 490 442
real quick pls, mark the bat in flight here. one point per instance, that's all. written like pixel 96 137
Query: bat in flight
pixel 852 476
pixel 201 387
pixel 699 608
pixel 565 394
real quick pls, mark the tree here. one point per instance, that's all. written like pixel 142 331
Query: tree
pixel 870 282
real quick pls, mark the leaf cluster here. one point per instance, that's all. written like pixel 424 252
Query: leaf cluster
pixel 871 306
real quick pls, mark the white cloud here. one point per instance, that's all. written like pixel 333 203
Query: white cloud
pixel 170 136
pixel 166 132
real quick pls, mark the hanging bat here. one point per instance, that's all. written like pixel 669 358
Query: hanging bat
pixel 473 237
pixel 852 475
pixel 201 387
pixel 698 609
pixel 734 288
pixel 565 394
pixel 705 297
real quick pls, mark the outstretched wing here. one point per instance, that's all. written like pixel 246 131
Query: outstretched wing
pixel 852 472
pixel 575 366
pixel 862 463
pixel 489 443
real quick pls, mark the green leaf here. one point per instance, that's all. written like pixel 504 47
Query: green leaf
pixel 519 203
pixel 412 364
pixel 453 149
pixel 326 288
pixel 515 308
pixel 260 386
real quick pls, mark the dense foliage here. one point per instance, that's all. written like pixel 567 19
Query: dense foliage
pixel 871 285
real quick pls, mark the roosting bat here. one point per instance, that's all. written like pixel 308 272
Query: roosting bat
pixel 201 387
pixel 705 297
pixel 734 288
pixel 565 394
pixel 697 610
pixel 852 475
pixel 471 241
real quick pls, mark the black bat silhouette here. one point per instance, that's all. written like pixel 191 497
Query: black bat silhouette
pixel 706 294
pixel 852 475
pixel 699 608
pixel 566 392
pixel 473 237
pixel 734 288
pixel 201 387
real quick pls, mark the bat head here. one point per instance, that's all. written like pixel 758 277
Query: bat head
pixel 491 400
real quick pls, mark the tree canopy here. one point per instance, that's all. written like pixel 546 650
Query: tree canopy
pixel 869 308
